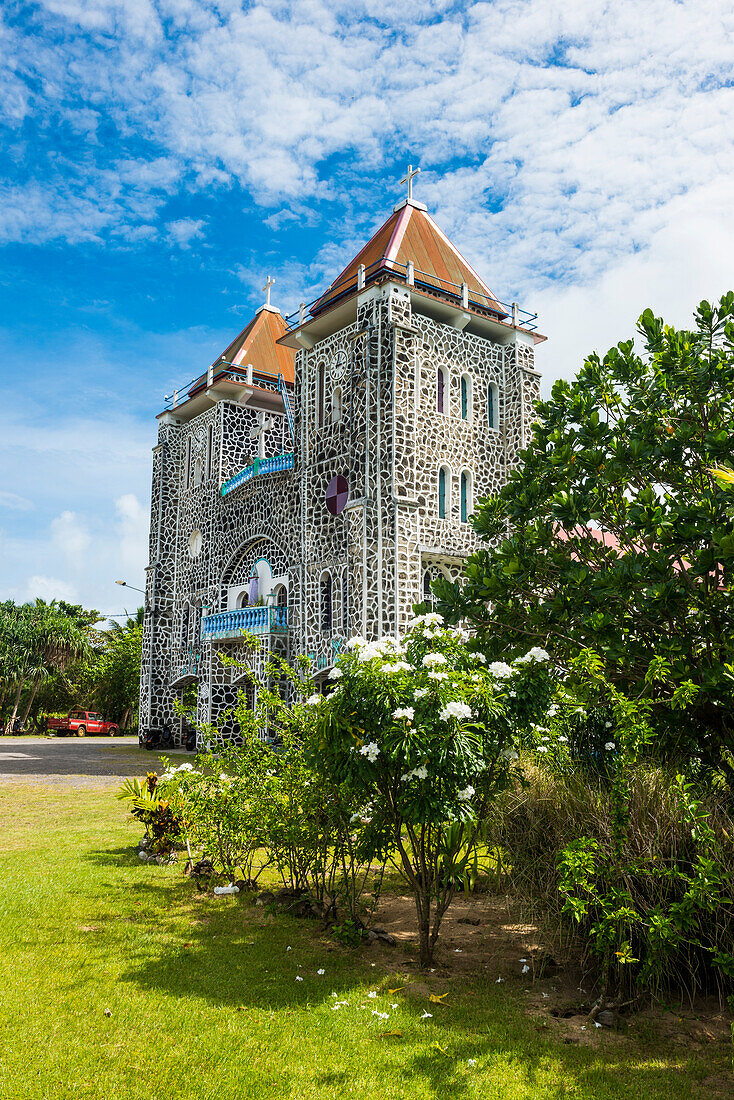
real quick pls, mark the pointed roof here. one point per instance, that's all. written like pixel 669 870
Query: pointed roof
pixel 411 234
pixel 257 344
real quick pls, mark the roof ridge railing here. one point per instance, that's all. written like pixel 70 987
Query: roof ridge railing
pixel 218 371
pixel 465 297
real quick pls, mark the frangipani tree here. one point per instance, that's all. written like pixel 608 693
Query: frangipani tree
pixel 426 733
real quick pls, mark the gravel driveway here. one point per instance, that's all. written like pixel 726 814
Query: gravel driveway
pixel 75 761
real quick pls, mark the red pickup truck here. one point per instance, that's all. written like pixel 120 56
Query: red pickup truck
pixel 78 723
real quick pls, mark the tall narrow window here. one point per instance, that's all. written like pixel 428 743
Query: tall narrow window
pixel 320 393
pixel 440 390
pixel 210 452
pixel 427 594
pixel 442 493
pixel 326 602
pixel 492 404
pixel 336 406
pixel 466 501
pixel 187 464
pixel 465 397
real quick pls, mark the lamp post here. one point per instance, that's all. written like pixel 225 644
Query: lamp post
pixel 126 585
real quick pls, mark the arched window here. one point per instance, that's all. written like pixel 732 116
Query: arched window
pixel 210 451
pixel 320 393
pixel 440 389
pixel 443 483
pixel 427 594
pixel 281 595
pixel 466 496
pixel 326 602
pixel 466 397
pixel 492 405
pixel 243 599
pixel 336 406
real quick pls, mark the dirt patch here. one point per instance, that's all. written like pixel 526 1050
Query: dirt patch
pixel 482 936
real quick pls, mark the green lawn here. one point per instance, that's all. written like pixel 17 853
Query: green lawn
pixel 204 1001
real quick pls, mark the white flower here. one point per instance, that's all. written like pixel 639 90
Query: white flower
pixel 381 1015
pixel 404 712
pixel 471 1061
pixel 455 710
pixel 321 971
pixel 336 674
pixel 563 740
pixel 431 618
pixel 610 746
pixel 542 748
pixel 525 969
pixel 356 642
pixel 500 669
pixel 438 675
pixel 479 657
pixel 399 666
pixel 432 659
pixel 499 980
pixel 393 1006
pixel 427 1016
pixel 288 949
pixel 371 751
pixel 467 793
pixel 607 725
pixel 534 654
pixel 299 978
pixel 421 692
pixel 314 700
pixel 372 994
pixel 421 772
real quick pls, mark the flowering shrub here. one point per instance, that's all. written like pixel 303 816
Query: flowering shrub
pixel 428 731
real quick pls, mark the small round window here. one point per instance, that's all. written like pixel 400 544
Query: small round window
pixel 195 544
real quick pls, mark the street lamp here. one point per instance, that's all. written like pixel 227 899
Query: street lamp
pixel 126 585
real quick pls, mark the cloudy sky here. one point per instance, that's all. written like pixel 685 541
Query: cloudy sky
pixel 160 157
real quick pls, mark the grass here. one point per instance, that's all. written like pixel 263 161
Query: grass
pixel 203 1000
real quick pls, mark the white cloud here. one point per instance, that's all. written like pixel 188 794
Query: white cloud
pixel 184 231
pixel 686 259
pixel 48 588
pixel 70 537
pixel 14 502
pixel 132 526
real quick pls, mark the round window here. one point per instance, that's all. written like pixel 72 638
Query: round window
pixel 195 544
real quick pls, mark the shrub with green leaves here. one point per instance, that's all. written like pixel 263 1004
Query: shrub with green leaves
pixel 425 730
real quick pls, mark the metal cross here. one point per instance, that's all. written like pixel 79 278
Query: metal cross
pixel 268 283
pixel 408 178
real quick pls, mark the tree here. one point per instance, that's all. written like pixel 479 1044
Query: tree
pixel 613 533
pixel 36 641
pixel 424 733
pixel 118 669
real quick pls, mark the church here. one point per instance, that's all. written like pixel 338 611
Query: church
pixel 322 472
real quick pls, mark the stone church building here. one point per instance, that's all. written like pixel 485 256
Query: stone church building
pixel 322 472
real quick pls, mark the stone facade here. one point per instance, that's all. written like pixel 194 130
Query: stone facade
pixel 366 406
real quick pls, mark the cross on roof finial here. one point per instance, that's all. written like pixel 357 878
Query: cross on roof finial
pixel 408 178
pixel 268 283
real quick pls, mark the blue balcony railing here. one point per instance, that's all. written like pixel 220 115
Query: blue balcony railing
pixel 260 466
pixel 256 620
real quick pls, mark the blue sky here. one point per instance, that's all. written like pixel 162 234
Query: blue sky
pixel 160 157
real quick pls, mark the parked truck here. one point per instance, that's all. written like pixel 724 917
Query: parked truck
pixel 79 723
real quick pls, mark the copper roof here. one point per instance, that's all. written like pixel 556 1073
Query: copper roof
pixel 410 233
pixel 256 344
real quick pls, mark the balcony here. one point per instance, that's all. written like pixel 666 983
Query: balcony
pixel 275 465
pixel 228 625
pixel 185 670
